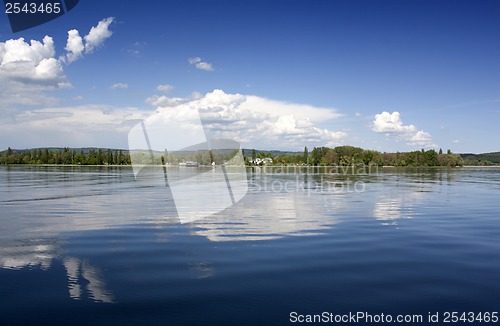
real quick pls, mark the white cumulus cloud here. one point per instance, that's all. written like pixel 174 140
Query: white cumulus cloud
pixel 252 120
pixel 200 64
pixel 391 123
pixel 75 45
pixel 98 34
pixel 421 138
pixel 30 62
pixel 29 69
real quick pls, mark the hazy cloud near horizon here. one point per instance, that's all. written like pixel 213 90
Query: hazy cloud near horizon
pixel 78 126
pixel 251 120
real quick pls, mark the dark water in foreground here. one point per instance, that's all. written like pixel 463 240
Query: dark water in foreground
pixel 91 246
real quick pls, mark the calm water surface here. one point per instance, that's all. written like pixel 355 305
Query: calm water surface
pixel 89 245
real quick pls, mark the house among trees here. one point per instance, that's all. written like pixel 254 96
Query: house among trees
pixel 261 161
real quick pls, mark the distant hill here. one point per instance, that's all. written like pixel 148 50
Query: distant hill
pixel 83 150
pixel 248 152
pixel 481 158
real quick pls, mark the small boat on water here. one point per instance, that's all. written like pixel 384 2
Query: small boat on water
pixel 191 164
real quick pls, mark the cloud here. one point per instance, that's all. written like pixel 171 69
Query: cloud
pixel 421 138
pixel 279 108
pixel 15 94
pixel 84 125
pixel 253 121
pixel 163 100
pixel 98 34
pixel 194 60
pixel 75 45
pixel 196 95
pixel 30 63
pixel 199 64
pixel 29 69
pixel 135 49
pixel 119 86
pixel 391 123
pixel 164 88
pixel 64 85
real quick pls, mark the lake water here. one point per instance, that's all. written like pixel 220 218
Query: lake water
pixel 90 245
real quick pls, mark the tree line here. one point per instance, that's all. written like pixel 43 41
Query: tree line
pixel 350 155
pixel 340 155
pixel 91 156
pixel 484 159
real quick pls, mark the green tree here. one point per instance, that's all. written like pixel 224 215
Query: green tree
pixel 79 158
pixel 44 158
pixel 367 156
pixel 331 157
pixel 67 157
pixel 431 158
pixel 109 157
pixel 100 157
pixel 120 157
pixel 316 155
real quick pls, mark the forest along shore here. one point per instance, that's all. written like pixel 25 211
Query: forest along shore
pixel 338 156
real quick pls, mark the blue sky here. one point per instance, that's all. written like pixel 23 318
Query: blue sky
pixel 385 75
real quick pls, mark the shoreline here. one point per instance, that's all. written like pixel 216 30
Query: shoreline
pixel 68 165
pixel 455 167
pixel 249 166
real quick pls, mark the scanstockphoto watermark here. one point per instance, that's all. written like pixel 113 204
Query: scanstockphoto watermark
pixel 301 184
pixel 359 317
pixel 366 318
pixel 345 170
pixel 311 179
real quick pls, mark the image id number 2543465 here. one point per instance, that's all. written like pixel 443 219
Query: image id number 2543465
pixel 32 8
